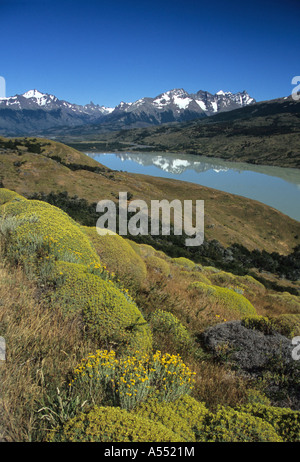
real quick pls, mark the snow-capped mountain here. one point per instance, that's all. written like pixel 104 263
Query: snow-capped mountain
pixel 179 101
pixel 37 112
pixel 34 99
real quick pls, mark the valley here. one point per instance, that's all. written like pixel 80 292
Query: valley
pixel 264 133
pixel 140 303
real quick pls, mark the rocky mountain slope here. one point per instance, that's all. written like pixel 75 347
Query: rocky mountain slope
pixel 35 113
pixel 263 133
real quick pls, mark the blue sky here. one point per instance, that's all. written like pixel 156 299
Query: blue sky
pixel 109 51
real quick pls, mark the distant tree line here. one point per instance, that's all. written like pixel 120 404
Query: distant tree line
pixel 73 166
pixel 31 144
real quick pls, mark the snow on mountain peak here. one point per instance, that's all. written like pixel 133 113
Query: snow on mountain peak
pixel 169 106
pixel 33 94
pixel 223 93
pixel 42 99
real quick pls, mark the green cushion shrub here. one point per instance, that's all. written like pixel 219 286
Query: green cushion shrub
pixel 6 195
pixel 111 424
pixel 51 223
pixel 261 323
pixel 285 421
pixel 284 324
pixel 184 262
pixel 195 276
pixel 145 250
pixel 119 257
pixel 227 298
pixel 183 416
pixel 229 425
pixel 158 264
pixel 288 324
pixel 109 314
pixel 246 282
pixel 164 323
pixel 255 396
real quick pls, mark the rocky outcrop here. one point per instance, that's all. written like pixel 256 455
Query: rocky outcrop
pixel 257 355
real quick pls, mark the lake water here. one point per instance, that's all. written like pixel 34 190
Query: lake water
pixel 274 186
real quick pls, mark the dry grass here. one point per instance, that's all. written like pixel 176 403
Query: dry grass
pixel 41 348
pixel 195 311
pixel 218 385
pixel 215 383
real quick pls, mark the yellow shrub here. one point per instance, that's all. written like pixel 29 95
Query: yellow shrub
pixel 109 314
pixel 226 298
pixel 50 223
pixel 292 323
pixel 182 416
pixel 229 425
pixel 158 264
pixel 119 257
pixel 164 323
pixel 127 381
pixel 239 283
pixel 6 195
pixel 252 283
pixel 111 424
pixel 184 262
pixel 195 276
pixel 146 250
pixel 222 277
pixel 286 324
pixel 285 421
pixel 134 245
pixel 260 323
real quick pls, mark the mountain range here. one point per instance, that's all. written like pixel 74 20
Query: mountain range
pixel 36 113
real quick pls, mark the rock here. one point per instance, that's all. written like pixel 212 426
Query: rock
pixel 256 355
pixel 251 350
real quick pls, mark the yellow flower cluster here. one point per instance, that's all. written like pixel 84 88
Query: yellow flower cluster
pixel 102 361
pixel 132 378
pixel 176 378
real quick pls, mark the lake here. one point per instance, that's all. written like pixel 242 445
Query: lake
pixel 274 186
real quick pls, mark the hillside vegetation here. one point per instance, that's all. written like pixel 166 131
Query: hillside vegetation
pixel 103 339
pixel 69 178
pixel 104 334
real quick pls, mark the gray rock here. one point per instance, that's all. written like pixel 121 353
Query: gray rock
pixel 256 355
pixel 250 350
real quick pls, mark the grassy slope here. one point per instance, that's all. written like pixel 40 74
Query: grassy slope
pixel 234 218
pixel 47 346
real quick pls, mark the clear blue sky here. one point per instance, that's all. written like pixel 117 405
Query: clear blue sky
pixel 109 51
